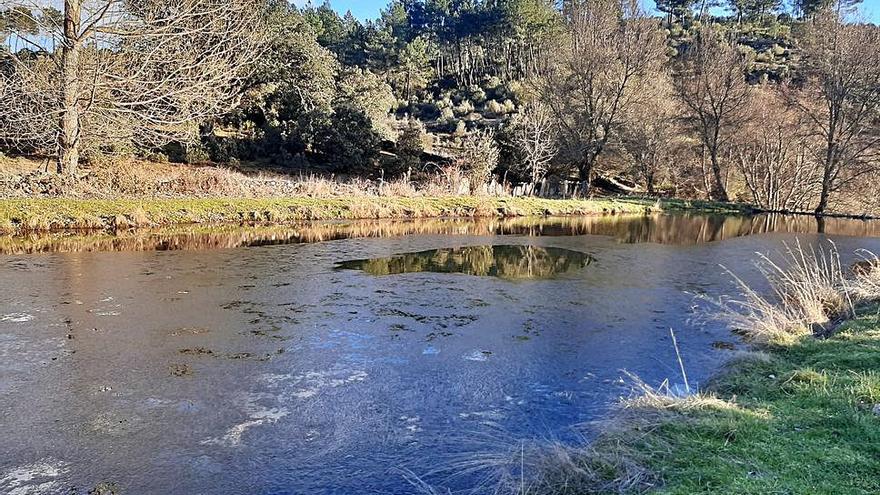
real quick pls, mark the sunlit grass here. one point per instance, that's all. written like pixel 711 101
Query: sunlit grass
pixel 23 215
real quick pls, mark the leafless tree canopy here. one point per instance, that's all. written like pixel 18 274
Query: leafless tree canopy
pixel 711 84
pixel 775 156
pixel 651 135
pixel 612 50
pixel 123 73
pixel 840 99
pixel 535 136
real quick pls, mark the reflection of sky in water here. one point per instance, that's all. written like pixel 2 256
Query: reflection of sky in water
pixel 303 378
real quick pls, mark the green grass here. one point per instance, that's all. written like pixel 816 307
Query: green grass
pixel 673 204
pixel 23 215
pixel 803 423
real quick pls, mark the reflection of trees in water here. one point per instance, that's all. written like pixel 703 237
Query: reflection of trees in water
pixel 695 229
pixel 510 262
pixel 663 229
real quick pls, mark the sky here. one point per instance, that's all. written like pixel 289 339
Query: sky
pixel 369 9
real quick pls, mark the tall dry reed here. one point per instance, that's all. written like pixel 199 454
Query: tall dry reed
pixel 809 291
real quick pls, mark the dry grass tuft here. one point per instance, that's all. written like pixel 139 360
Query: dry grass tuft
pixel 541 468
pixel 139 217
pixel 7 227
pixel 664 398
pixel 809 292
pixel 867 276
pixel 400 188
pixel 607 467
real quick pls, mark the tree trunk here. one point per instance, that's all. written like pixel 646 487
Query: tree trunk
pixel 827 177
pixel 720 192
pixel 826 192
pixel 69 137
pixel 585 170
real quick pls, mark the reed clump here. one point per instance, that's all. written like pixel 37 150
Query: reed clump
pixel 810 292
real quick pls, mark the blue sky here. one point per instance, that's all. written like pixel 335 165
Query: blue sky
pixel 369 9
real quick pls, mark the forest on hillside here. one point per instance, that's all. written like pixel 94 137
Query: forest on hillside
pixel 771 104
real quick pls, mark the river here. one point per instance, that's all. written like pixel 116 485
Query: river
pixel 346 358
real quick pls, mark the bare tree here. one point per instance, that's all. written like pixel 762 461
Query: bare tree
pixel 534 136
pixel 651 135
pixel 137 73
pixel 841 99
pixel 478 158
pixel 711 84
pixel 610 52
pixel 774 156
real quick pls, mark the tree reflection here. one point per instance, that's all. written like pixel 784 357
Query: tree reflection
pixel 508 262
pixel 681 229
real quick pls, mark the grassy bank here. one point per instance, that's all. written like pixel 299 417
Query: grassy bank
pixel 797 414
pixel 797 418
pixel 30 215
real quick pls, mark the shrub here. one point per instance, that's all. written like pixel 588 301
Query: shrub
pixel 156 157
pixel 348 142
pixel 464 108
pixel 427 111
pixel 476 94
pixel 748 52
pixel 460 129
pixel 494 108
pixel 410 145
pixel 478 158
pixel 515 91
pixel 197 154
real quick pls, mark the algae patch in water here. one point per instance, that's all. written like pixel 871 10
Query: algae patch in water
pixel 507 262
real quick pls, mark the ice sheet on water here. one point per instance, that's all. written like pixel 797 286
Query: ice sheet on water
pixel 40 477
pixel 232 437
pixel 309 384
pixel 17 317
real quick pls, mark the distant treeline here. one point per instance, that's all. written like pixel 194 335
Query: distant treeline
pixel 775 106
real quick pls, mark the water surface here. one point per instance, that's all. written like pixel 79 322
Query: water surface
pixel 508 262
pixel 279 365
pixel 680 229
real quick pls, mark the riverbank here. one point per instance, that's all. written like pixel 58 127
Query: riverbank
pixel 798 413
pixel 798 418
pixel 19 216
